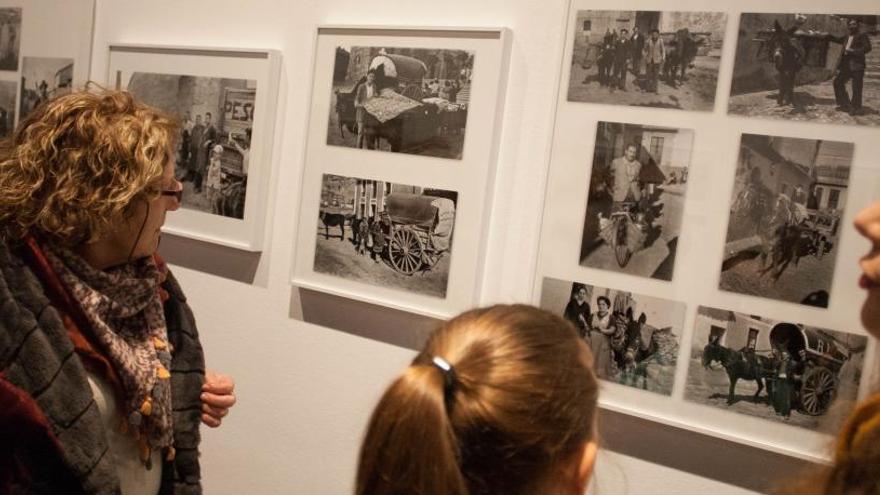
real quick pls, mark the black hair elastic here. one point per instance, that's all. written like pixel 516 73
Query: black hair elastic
pixel 449 379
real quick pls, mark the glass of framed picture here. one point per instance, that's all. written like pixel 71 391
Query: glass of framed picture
pixel 400 159
pixel 706 259
pixel 225 100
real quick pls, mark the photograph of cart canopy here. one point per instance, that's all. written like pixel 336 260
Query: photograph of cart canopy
pixel 808 67
pixel 788 199
pixel 386 234
pixel 217 118
pixel 647 58
pixel 636 200
pixel 777 370
pixel 403 100
pixel 634 338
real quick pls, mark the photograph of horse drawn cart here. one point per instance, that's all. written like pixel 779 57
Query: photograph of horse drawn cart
pixel 386 234
pixel 808 67
pixel 402 100
pixel 634 338
pixel 647 58
pixel 789 196
pixel 790 372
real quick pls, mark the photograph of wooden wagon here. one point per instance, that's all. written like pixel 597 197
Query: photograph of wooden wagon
pixel 403 114
pixel 420 230
pixel 820 357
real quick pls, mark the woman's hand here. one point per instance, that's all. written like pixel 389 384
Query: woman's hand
pixel 217 397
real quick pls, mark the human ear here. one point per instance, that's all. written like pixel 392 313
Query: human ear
pixel 581 468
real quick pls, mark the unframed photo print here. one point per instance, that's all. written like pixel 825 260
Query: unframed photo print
pixel 403 100
pixel 788 372
pixel 217 117
pixel 647 58
pixel 386 234
pixel 785 218
pixel 634 338
pixel 808 67
pixel 636 199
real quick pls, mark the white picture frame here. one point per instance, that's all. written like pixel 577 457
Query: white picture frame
pixel 471 175
pixel 259 66
pixel 695 282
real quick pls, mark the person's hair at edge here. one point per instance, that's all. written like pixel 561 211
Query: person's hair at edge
pixel 854 469
pixel 522 404
pixel 79 162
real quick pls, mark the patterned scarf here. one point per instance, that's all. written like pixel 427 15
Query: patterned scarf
pixel 124 309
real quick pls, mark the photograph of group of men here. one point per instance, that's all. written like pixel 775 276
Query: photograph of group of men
pixel 621 57
pixel 816 67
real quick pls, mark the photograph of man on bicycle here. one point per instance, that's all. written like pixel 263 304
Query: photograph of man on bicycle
pixel 636 198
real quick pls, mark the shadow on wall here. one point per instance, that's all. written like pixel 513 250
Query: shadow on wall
pixel 371 321
pixel 210 258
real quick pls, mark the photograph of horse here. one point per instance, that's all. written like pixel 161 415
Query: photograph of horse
pixel 808 67
pixel 635 351
pixel 788 200
pixel 777 370
pixel 647 58
pixel 385 234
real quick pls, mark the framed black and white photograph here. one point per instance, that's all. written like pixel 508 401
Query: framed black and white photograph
pixel 402 100
pixel 662 59
pixel 638 185
pixel 386 234
pixel 785 218
pixel 10 38
pixel 403 134
pixel 635 339
pixel 808 67
pixel 217 119
pixel 43 78
pixel 225 100
pixel 8 91
pixel 776 370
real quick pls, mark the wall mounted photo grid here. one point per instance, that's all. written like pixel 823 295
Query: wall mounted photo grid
pixel 400 162
pixel 698 210
pixel 225 101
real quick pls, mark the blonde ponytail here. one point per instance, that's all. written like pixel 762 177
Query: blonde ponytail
pixel 519 396
pixel 412 448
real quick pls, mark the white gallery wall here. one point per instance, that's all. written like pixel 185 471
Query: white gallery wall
pixel 305 392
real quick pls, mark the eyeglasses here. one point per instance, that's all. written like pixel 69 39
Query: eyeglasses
pixel 177 194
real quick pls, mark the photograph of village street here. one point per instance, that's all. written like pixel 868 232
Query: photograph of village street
pixel 785 218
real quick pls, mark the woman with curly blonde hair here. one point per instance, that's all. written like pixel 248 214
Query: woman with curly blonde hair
pixel 102 381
